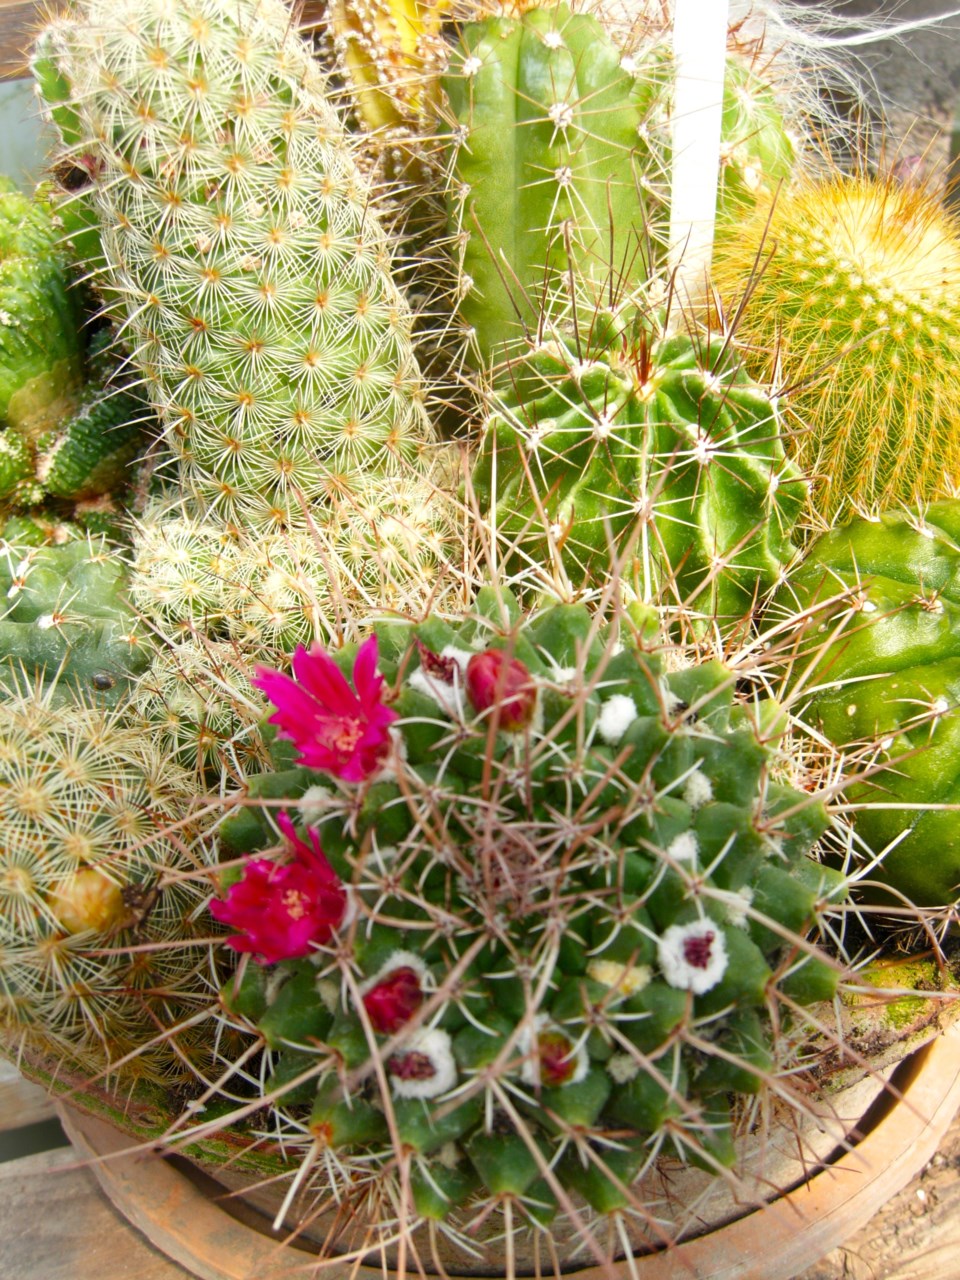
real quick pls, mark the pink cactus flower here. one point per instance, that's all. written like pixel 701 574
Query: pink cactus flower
pixel 494 679
pixel 282 911
pixel 340 730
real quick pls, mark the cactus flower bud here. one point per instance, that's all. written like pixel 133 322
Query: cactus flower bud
pixel 494 679
pixel 394 1000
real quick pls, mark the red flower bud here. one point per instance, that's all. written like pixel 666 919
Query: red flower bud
pixel 558 1062
pixel 496 680
pixel 394 1000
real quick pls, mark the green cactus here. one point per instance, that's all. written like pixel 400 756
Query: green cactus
pixel 255 278
pixel 560 161
pixel 855 314
pixel 65 619
pixel 40 357
pixel 93 449
pixel 95 857
pixel 878 674
pixel 578 890
pixel 669 443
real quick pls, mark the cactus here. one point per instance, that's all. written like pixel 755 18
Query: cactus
pixel 848 291
pixel 255 279
pixel 560 162
pixel 40 358
pixel 668 444
pixel 577 891
pixel 877 674
pixel 65 619
pixel 96 864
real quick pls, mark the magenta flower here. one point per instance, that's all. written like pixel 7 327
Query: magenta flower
pixel 495 679
pixel 283 910
pixel 335 729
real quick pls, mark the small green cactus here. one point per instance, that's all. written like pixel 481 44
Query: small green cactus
pixel 667 444
pixel 878 674
pixel 576 893
pixel 40 355
pixel 854 313
pixel 95 858
pixel 66 621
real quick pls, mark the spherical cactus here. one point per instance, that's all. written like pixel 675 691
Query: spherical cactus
pixel 665 444
pixel 65 619
pixel 254 276
pixel 96 864
pixel 548 901
pixel 849 302
pixel 878 674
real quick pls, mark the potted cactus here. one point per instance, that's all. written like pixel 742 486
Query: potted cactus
pixel 464 844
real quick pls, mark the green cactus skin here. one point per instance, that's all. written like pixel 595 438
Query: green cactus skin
pixel 16 463
pixel 256 279
pixel 855 313
pixel 544 169
pixel 560 856
pixel 40 360
pixel 65 619
pixel 673 443
pixel 887 684
pixel 92 824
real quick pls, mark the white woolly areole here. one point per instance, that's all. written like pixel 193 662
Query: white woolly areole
pixel 616 716
pixel 314 804
pixel 625 980
pixel 399 960
pixel 698 790
pixel 530 1071
pixel 684 848
pixel 450 697
pixel 693 957
pixel 622 1068
pixel 735 906
pixel 436 1046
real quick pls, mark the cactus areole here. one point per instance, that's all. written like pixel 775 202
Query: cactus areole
pixel 886 685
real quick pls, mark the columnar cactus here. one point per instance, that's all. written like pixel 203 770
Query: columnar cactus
pixel 253 275
pixel 664 449
pixel 855 314
pixel 878 674
pixel 560 162
pixel 549 895
pixel 96 864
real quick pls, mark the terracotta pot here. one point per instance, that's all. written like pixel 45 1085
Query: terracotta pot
pixel 185 1214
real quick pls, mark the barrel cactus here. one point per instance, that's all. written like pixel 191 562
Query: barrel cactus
pixel 855 314
pixel 665 450
pixel 66 621
pixel 877 673
pixel 97 862
pixel 253 274
pixel 547 901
